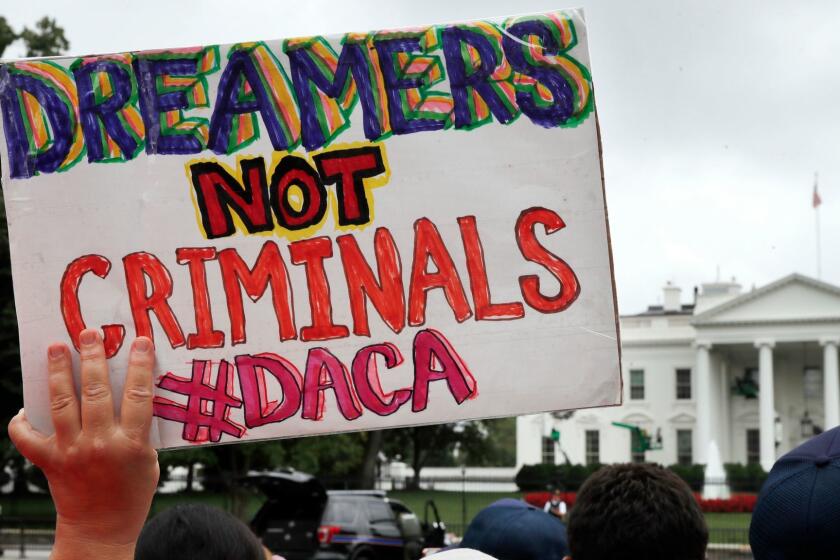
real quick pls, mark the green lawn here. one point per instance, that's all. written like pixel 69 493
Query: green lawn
pixel 728 520
pixel 450 504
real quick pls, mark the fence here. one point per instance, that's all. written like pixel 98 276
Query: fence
pixel 24 537
pixel 458 498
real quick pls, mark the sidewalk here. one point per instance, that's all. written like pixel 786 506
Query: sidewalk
pixel 14 553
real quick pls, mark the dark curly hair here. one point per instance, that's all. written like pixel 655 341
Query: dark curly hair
pixel 636 512
pixel 197 532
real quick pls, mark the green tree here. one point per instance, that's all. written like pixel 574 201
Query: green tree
pixel 47 39
pixel 7 35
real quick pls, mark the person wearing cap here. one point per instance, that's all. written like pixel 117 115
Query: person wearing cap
pixel 797 515
pixel 512 530
pixel 636 512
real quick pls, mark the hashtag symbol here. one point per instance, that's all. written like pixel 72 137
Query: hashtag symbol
pixel 206 415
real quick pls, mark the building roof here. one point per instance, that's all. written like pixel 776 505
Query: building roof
pixel 719 312
pixel 659 311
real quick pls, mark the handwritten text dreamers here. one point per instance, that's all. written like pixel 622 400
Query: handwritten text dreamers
pixel 110 108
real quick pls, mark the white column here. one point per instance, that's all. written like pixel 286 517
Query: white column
pixel 831 383
pixel 724 418
pixel 704 402
pixel 766 410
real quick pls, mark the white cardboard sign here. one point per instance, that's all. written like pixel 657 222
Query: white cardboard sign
pixel 321 234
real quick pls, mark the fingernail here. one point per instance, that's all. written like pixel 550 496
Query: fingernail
pixel 142 345
pixel 55 351
pixel 88 337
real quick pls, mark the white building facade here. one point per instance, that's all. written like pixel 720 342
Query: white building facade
pixel 755 373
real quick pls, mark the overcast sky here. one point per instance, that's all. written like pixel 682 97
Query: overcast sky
pixel 714 115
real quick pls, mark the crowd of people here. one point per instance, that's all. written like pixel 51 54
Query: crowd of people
pixel 103 473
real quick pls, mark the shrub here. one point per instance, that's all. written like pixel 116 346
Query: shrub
pixel 543 477
pixel 693 475
pixel 744 478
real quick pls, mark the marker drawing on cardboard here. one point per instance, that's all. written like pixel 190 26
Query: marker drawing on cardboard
pixel 323 233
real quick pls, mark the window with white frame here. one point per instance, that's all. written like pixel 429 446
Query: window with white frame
pixel 637 384
pixel 685 454
pixel 593 447
pixel 753 447
pixel 683 384
pixel 548 446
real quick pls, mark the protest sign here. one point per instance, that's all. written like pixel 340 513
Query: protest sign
pixel 320 234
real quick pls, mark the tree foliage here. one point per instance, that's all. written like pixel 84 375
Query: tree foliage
pixel 46 39
pixel 7 35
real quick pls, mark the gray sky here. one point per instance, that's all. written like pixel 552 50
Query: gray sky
pixel 714 114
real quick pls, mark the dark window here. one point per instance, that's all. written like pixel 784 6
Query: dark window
pixel 637 454
pixel 548 450
pixel 751 375
pixel 683 383
pixel 684 447
pixel 812 383
pixel 593 447
pixel 637 384
pixel 753 447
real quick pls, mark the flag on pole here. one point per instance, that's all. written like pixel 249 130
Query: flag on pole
pixel 816 200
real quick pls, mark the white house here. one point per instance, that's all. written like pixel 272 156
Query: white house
pixel 756 373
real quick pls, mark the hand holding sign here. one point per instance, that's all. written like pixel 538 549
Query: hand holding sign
pixel 101 469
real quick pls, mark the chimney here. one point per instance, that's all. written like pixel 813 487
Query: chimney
pixel 671 298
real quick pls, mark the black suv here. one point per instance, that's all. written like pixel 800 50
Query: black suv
pixel 303 521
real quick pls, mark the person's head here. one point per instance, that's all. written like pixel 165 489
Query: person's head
pixel 798 510
pixel 197 532
pixel 557 494
pixel 513 530
pixel 636 511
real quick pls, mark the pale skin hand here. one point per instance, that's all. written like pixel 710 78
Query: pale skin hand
pixel 101 469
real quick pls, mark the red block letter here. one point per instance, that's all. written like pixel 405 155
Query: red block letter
pixel 138 267
pixel 70 309
pixel 429 245
pixel 485 310
pixel 325 371
pixel 386 294
pixel 366 379
pixel 205 336
pixel 218 192
pixel 348 169
pixel 258 409
pixel 431 349
pixel 311 253
pixel 534 252
pixel 269 269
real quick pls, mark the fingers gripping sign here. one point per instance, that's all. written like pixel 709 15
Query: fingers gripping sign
pixel 101 468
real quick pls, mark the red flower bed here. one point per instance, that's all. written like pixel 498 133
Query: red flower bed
pixel 539 499
pixel 738 503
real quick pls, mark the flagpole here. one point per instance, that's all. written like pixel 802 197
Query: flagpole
pixel 817 204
